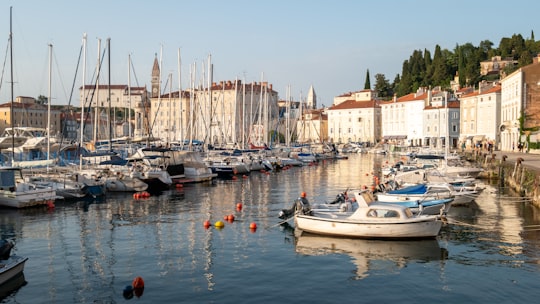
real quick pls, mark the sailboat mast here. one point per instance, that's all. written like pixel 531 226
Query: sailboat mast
pixel 181 122
pixel 129 96
pixel 49 106
pixel 109 92
pixel 96 106
pixel 12 86
pixel 82 101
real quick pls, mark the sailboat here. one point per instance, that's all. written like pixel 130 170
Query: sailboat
pixel 15 192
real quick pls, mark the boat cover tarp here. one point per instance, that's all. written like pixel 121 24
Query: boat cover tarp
pixel 415 189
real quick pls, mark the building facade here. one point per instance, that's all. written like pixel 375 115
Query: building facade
pixel 27 113
pixel 355 117
pixel 481 117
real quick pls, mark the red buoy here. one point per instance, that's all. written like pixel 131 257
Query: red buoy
pixel 138 282
pixel 239 206
pixel 253 225
pixel 207 224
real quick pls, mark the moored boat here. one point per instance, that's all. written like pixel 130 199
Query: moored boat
pixel 15 192
pixel 10 265
pixel 370 220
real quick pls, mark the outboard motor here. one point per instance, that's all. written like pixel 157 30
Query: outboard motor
pixel 340 198
pixel 5 249
pixel 297 207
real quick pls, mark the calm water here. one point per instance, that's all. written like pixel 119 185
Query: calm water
pixel 88 253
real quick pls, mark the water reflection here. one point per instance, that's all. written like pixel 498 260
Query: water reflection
pixel 372 255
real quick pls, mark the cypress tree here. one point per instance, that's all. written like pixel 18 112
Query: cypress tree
pixel 367 85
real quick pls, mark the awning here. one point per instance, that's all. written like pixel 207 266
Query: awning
pixel 478 138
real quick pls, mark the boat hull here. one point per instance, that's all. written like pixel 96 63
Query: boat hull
pixel 11 267
pixel 20 199
pixel 419 228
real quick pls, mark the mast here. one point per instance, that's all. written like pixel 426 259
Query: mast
pixel 180 99
pixel 171 111
pixel 109 93
pixel 129 96
pixel 209 83
pixel 244 113
pixel 82 101
pixel 96 108
pixel 12 87
pixel 49 106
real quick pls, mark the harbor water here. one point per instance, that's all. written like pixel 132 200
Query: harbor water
pixel 91 251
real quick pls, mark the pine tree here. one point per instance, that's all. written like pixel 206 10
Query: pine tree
pixel 367 85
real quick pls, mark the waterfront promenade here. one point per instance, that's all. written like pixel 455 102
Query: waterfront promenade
pixel 530 160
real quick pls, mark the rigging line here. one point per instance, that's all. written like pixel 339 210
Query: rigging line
pixel 60 75
pixel 71 93
pixel 97 73
pixel 4 67
pixel 159 104
pixel 145 103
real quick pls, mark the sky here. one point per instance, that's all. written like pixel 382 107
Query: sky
pixel 291 44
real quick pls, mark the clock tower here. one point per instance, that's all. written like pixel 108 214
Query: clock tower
pixel 155 79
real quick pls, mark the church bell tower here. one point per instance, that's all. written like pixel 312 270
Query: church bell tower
pixel 155 79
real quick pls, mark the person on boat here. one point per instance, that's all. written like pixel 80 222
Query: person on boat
pixel 303 199
pixel 300 205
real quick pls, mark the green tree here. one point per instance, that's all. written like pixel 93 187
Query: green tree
pixel 440 70
pixel 42 100
pixel 382 86
pixel 367 84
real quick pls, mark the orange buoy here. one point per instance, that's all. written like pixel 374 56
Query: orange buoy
pixel 239 206
pixel 230 217
pixel 253 225
pixel 179 185
pixel 50 204
pixel 138 282
pixel 207 224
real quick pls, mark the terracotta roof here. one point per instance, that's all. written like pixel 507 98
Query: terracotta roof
pixel 353 104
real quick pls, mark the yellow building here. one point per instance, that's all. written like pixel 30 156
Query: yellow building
pixel 27 113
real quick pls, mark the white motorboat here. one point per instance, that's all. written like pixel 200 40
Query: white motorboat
pixel 370 220
pixel 10 266
pixel 15 192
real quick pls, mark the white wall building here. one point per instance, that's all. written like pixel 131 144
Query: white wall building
pixel 402 119
pixel 481 116
pixel 356 119
pixel 511 109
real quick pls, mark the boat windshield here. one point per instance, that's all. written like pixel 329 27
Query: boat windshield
pixel 383 213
